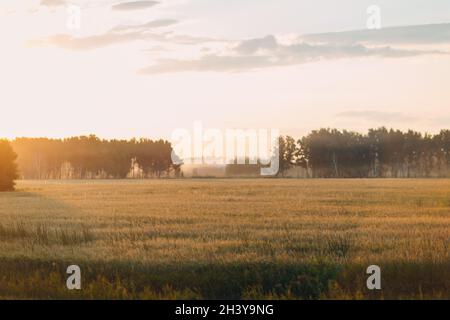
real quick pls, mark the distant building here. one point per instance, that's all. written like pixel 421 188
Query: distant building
pixel 243 170
pixel 203 171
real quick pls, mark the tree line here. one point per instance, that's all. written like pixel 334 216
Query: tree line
pixel 380 153
pixel 324 153
pixel 88 157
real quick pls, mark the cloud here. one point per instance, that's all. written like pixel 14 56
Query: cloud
pixel 265 52
pixel 419 34
pixel 441 121
pixel 93 42
pixel 268 52
pixel 134 5
pixel 147 26
pixel 52 3
pixel 188 39
pixel 207 63
pixel 117 35
pixel 252 46
pixel 373 115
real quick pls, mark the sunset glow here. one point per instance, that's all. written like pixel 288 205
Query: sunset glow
pixel 148 70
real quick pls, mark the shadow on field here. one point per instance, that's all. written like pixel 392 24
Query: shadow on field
pixel 39 220
pixel 26 278
pixel 32 203
pixel 30 279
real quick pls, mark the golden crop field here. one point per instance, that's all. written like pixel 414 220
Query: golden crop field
pixel 240 239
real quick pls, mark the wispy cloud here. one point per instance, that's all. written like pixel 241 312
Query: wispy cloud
pixel 117 35
pixel 259 53
pixel 134 5
pixel 268 52
pixel 374 115
pixel 254 45
pixel 419 34
pixel 52 3
pixel 208 63
pixel 146 26
pixel 93 42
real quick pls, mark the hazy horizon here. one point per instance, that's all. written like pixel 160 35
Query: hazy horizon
pixel 154 137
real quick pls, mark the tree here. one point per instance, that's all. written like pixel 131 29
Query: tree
pixel 283 163
pixel 8 166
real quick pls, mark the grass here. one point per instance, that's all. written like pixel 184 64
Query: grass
pixel 226 239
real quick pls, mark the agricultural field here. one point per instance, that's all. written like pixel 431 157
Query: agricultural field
pixel 226 239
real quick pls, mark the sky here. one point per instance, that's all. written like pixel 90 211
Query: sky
pixel 123 69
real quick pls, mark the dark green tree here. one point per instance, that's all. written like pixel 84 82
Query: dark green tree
pixel 8 166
